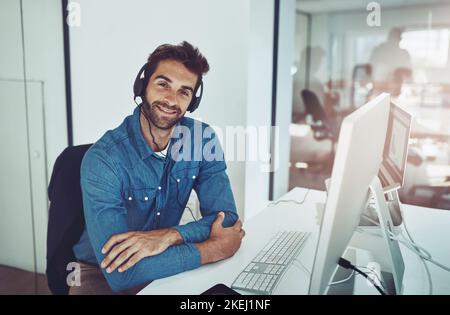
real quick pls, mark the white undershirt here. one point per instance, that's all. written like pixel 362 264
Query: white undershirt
pixel 163 153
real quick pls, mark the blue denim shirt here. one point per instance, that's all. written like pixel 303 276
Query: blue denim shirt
pixel 127 187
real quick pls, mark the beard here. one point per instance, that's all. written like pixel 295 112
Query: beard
pixel 159 119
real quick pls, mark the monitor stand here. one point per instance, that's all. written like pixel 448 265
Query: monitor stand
pixel 393 202
pixel 362 257
pixel 395 258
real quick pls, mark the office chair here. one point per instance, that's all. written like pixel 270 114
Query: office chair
pixel 323 128
pixel 66 216
pixel 362 84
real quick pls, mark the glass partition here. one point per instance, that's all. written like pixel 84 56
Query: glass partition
pixel 347 53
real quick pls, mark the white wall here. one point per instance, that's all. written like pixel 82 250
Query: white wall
pixel 33 125
pixel 259 103
pixel 115 38
pixel 44 58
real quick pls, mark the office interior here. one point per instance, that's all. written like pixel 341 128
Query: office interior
pixel 67 68
pixel 344 63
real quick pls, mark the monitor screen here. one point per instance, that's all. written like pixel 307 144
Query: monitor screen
pixel 396 147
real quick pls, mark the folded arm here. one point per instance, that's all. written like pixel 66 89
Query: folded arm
pixel 214 192
pixel 105 217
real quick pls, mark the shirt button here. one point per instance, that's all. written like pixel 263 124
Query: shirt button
pixel 193 177
pixel 158 213
pixel 145 198
pixel 130 198
pixel 178 180
pixel 159 187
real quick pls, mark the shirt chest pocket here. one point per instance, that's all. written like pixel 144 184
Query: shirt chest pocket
pixel 140 200
pixel 182 182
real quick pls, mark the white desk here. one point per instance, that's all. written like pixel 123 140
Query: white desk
pixel 429 228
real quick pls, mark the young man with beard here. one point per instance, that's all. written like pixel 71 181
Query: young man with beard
pixel 135 190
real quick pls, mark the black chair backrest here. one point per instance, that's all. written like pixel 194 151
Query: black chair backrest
pixel 66 216
pixel 313 106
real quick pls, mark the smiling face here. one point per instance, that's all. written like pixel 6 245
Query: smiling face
pixel 169 92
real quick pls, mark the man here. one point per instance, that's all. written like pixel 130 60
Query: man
pixel 135 188
pixel 390 64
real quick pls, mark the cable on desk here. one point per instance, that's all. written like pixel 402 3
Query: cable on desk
pixel 371 271
pixel 335 282
pixel 421 252
pixel 290 200
pixel 410 244
pixel 427 270
pixel 417 249
pixel 303 266
pixel 344 263
pixel 344 280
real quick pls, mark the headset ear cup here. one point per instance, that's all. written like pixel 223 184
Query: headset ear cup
pixel 195 103
pixel 138 86
pixel 193 106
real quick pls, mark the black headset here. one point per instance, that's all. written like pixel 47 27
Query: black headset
pixel 140 85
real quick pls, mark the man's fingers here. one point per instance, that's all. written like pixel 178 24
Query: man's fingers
pixel 219 220
pixel 114 240
pixel 131 262
pixel 123 257
pixel 115 252
pixel 238 225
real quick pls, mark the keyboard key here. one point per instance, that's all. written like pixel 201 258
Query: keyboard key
pixel 263 286
pixel 249 267
pixel 248 279
pixel 240 280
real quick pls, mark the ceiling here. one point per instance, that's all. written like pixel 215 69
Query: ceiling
pixel 321 6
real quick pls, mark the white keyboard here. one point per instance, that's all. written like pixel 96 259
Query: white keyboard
pixel 262 274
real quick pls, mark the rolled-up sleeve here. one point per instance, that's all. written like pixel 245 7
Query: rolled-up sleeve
pixel 105 216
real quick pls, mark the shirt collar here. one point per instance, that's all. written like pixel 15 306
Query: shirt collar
pixel 145 151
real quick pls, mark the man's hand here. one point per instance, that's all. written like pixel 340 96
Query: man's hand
pixel 126 249
pixel 222 242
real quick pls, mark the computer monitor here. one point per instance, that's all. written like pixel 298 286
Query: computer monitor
pixel 392 169
pixel 356 165
pixel 395 152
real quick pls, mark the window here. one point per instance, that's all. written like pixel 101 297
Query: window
pixel 427 48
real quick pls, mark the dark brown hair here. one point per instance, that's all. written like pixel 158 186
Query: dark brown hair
pixel 185 53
